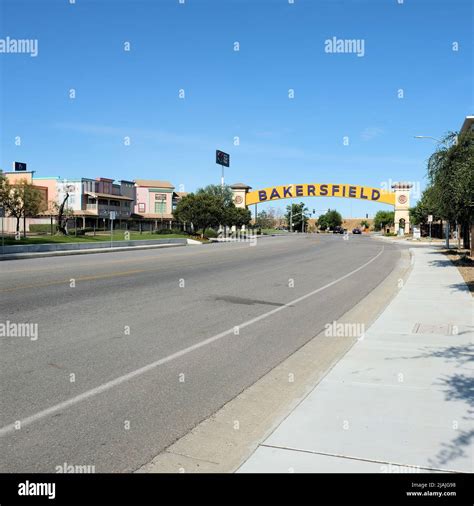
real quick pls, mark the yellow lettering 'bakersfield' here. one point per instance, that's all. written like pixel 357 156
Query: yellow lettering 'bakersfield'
pixel 292 191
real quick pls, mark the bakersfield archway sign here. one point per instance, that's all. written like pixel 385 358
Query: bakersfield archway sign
pixel 399 197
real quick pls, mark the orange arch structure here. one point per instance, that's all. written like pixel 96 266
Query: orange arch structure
pixel 292 191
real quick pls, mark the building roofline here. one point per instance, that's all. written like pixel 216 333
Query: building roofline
pixel 240 186
pixel 18 171
pixel 468 121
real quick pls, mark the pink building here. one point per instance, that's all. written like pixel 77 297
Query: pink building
pixel 154 200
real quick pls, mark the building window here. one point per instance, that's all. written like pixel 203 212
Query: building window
pixel 160 203
pixel 160 207
pixel 141 208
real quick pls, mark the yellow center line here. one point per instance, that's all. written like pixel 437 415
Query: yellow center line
pixel 113 274
pixel 82 278
pixel 104 263
pixel 105 276
pixel 81 265
pixel 110 262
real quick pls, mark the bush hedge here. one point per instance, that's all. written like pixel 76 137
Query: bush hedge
pixel 164 231
pixel 42 228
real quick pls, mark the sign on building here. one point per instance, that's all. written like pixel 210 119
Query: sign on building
pixel 19 166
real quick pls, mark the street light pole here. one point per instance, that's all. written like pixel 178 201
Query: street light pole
pixel 302 219
pixel 291 216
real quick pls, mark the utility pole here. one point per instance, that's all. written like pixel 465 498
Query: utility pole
pixel 302 219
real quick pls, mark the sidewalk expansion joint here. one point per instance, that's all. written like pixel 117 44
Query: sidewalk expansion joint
pixel 376 385
pixel 348 457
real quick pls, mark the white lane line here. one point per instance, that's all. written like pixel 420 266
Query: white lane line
pixel 7 429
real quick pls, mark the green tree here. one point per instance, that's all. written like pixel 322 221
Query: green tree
pixel 323 222
pixel 202 210
pixel 451 174
pixel 224 193
pixel 295 214
pixel 365 224
pixel 240 216
pixel 330 220
pixel 20 200
pixel 264 220
pixel 384 219
pixel 424 207
pixel 230 214
pixel 334 219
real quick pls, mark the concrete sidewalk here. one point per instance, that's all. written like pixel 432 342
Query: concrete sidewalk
pixel 401 399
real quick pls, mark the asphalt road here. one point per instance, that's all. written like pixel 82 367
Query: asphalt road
pixel 159 340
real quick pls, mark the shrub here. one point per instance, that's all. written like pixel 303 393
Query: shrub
pixel 210 232
pixel 80 231
pixel 42 228
pixel 164 231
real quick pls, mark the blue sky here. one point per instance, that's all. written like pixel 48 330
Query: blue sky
pixel 231 93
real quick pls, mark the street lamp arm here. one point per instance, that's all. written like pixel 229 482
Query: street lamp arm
pixel 427 137
pixel 439 141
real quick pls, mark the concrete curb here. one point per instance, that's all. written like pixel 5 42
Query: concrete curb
pixel 60 253
pixel 410 242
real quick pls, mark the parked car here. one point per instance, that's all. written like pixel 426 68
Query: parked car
pixel 356 231
pixel 338 230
